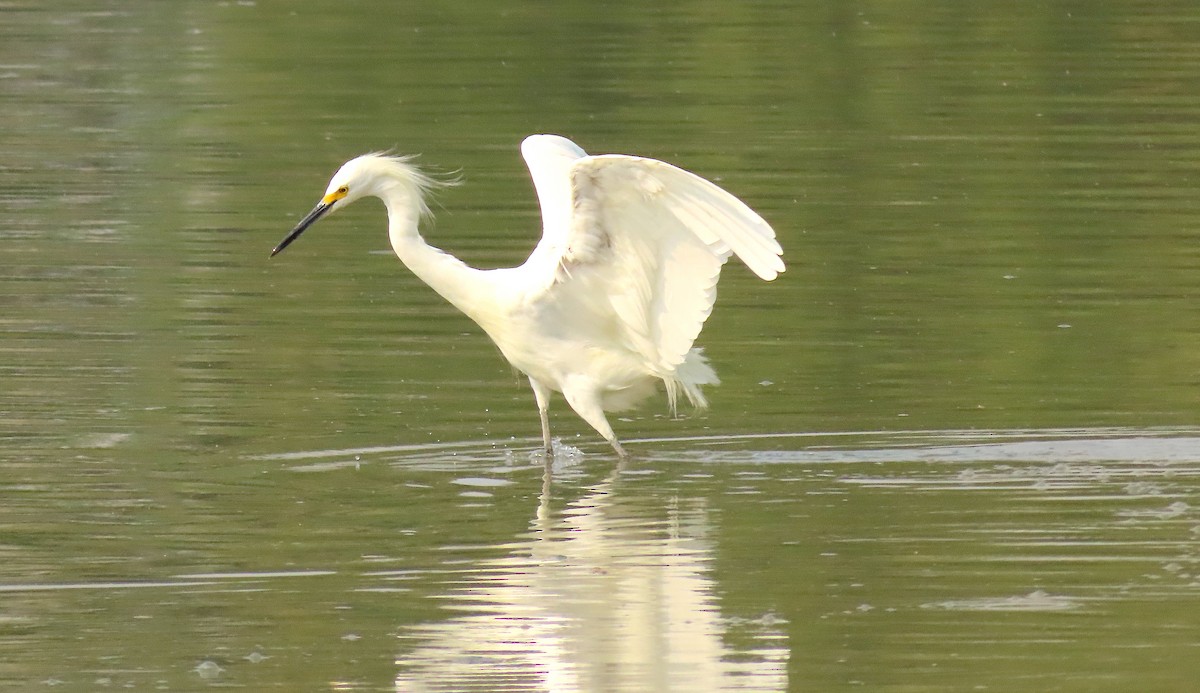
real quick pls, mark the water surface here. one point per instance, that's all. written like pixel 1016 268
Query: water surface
pixel 955 447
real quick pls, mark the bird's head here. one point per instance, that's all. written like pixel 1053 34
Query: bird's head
pixel 363 176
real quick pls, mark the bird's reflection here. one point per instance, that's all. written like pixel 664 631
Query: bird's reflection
pixel 606 593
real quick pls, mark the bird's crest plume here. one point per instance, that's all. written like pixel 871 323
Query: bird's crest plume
pixel 403 167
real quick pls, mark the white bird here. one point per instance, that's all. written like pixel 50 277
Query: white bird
pixel 615 293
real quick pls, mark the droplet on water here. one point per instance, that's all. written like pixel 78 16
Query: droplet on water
pixel 208 669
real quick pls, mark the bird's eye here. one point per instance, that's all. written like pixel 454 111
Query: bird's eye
pixel 343 190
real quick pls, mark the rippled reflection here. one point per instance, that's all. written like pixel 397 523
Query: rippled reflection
pixel 595 597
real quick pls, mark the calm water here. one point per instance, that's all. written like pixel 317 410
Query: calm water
pixel 956 447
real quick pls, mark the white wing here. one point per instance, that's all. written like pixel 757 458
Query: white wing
pixel 549 158
pixel 648 236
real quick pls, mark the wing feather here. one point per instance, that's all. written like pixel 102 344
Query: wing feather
pixel 648 236
pixel 549 158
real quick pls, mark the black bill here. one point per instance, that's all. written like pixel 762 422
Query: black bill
pixel 306 222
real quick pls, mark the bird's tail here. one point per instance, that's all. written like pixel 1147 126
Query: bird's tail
pixel 689 376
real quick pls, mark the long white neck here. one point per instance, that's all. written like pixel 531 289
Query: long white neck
pixel 465 287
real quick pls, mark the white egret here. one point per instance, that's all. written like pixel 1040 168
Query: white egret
pixel 613 296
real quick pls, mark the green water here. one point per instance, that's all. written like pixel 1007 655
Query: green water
pixel 955 447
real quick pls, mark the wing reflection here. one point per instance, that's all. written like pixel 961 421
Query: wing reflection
pixel 600 595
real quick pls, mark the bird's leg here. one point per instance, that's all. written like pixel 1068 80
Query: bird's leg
pixel 586 403
pixel 546 430
pixel 542 394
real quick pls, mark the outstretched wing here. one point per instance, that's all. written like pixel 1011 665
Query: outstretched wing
pixel 550 158
pixel 649 237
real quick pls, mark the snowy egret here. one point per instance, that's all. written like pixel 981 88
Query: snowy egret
pixel 615 293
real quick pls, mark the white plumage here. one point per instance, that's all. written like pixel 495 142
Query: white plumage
pixel 612 298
